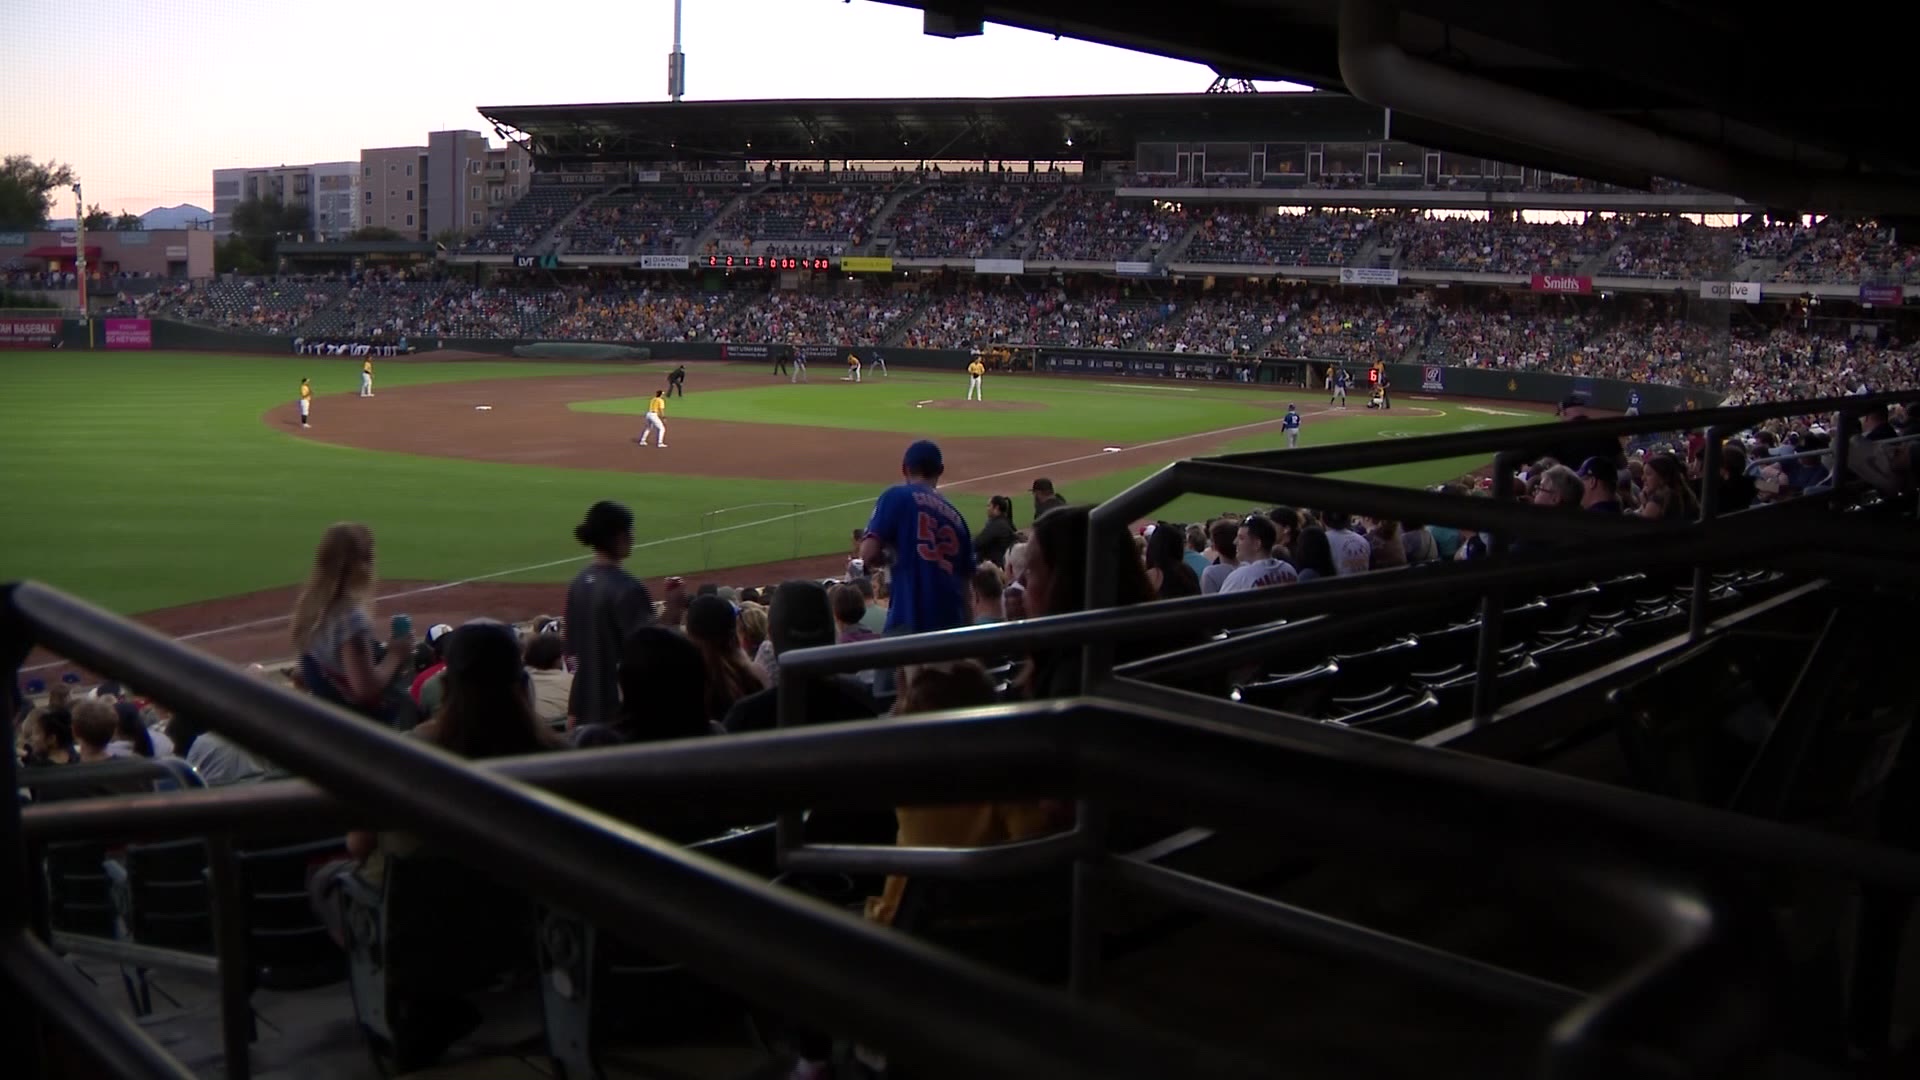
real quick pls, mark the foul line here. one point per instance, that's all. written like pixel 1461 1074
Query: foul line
pixel 255 624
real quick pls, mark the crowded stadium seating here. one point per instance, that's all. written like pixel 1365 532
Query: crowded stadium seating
pixel 812 220
pixel 519 225
pixel 1315 238
pixel 638 221
pixel 1089 225
pixel 954 217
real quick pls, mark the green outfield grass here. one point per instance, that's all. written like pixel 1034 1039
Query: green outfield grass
pixel 146 480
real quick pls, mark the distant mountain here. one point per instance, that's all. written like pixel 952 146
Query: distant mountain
pixel 184 216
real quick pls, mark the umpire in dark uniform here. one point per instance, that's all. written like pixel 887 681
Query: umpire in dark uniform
pixel 677 381
pixel 779 359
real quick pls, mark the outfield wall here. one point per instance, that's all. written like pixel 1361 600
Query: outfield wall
pixel 1427 380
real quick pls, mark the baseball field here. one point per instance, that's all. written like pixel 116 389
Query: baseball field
pixel 181 488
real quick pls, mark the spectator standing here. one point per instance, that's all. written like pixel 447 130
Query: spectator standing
pixel 1044 497
pixel 605 606
pixel 933 549
pixel 998 535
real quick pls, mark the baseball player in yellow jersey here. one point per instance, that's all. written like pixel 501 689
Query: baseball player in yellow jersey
pixel 656 419
pixel 853 368
pixel 366 377
pixel 306 402
pixel 974 371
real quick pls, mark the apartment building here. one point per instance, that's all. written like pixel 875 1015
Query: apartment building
pixel 334 184
pixel 324 188
pixel 454 183
pixel 291 184
pixel 471 180
pixel 393 190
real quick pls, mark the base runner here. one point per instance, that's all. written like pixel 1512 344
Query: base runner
pixel 1290 424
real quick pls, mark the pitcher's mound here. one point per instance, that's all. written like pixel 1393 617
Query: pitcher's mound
pixel 986 406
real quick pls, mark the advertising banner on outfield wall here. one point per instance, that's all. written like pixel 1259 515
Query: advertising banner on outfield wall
pixel 1891 295
pixel 1562 283
pixel 1745 292
pixel 18 333
pixel 128 333
pixel 866 264
pixel 663 262
pixel 1433 378
pixel 999 266
pixel 1369 275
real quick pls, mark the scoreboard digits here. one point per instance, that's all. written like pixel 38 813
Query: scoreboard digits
pixel 767 262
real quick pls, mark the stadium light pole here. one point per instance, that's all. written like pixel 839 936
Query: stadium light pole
pixel 676 60
pixel 80 256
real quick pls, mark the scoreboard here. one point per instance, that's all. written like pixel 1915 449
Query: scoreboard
pixel 767 262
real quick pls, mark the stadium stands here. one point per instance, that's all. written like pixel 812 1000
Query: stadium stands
pixel 954 217
pixel 519 225
pixel 1847 251
pixel 1488 247
pixel 1088 225
pixel 643 222
pixel 801 221
pixel 1264 238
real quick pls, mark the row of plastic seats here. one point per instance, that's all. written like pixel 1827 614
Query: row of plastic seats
pixel 1416 683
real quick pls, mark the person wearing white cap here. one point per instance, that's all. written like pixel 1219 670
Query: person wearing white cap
pixel 436 640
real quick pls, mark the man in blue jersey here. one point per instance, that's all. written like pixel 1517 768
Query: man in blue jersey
pixel 1290 424
pixel 932 547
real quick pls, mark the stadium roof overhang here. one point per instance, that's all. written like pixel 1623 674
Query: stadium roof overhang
pixel 1091 128
pixel 1793 112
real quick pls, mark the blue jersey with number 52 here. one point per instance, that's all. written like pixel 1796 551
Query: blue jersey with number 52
pixel 933 559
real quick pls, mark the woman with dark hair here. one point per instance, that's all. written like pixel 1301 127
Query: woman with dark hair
pixel 663 692
pixel 605 605
pixel 1312 555
pixel 998 535
pixel 47 735
pixel 1167 569
pixel 132 734
pixel 1057 585
pixel 486 709
pixel 713 627
pixel 1667 495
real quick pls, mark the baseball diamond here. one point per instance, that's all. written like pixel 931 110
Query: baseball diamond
pixel 469 469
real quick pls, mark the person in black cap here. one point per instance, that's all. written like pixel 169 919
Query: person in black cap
pixel 800 616
pixel 1600 486
pixel 605 606
pixel 1044 497
pixel 677 381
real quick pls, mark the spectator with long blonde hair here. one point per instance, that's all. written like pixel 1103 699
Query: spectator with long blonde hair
pixel 332 624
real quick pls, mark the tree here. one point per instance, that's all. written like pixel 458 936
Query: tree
pixel 27 190
pixel 233 256
pixel 129 223
pixel 371 233
pixel 259 225
pixel 98 220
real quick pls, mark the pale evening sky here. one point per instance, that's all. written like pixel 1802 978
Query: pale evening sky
pixel 144 100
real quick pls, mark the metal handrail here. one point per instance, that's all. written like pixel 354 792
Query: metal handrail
pixel 1536 437
pixel 823 966
pixel 66 779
